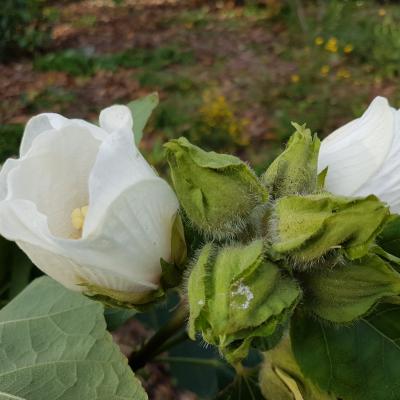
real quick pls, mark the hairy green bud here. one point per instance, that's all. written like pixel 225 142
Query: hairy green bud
pixel 218 192
pixel 295 170
pixel 236 297
pixel 349 291
pixel 308 227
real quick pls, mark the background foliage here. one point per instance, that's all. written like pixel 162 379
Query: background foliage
pixel 230 78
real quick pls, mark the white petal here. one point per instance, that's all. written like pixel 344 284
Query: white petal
pixel 118 166
pixel 10 164
pixel 38 125
pixel 72 275
pixel 356 151
pixel 60 268
pixel 98 133
pixel 54 175
pixel 116 118
pixel 385 183
pixel 134 233
pixel 21 222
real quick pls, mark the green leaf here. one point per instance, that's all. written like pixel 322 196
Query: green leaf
pixel 346 292
pixel 218 192
pixel 281 378
pixel 356 362
pixel 389 239
pixel 54 345
pixel 197 368
pixel 295 170
pixel 141 110
pixel 308 227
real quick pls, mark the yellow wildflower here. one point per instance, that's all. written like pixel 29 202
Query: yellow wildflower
pixel 348 48
pixel 325 70
pixel 382 12
pixel 332 45
pixel 319 41
pixel 295 78
pixel 343 73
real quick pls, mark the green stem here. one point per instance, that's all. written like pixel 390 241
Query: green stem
pixel 156 343
pixel 191 360
pixel 173 341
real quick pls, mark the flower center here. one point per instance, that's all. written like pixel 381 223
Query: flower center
pixel 78 217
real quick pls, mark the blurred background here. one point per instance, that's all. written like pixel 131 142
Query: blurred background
pixel 231 75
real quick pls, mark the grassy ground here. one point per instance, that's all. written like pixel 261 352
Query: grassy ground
pixel 230 79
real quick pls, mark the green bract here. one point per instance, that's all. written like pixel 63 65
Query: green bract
pixel 308 227
pixel 347 292
pixel 295 170
pixel 236 296
pixel 217 191
pixel 282 379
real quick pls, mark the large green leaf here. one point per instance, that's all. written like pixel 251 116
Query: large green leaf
pixel 356 362
pixel 54 345
pixel 141 110
pixel 346 292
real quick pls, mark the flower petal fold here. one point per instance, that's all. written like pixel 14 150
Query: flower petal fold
pixel 54 175
pixel 118 166
pixel 116 118
pixel 38 125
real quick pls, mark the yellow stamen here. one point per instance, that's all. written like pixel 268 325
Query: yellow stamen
pixel 78 217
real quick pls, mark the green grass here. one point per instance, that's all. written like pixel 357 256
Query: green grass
pixel 79 63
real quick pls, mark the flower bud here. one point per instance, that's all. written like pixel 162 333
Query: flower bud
pixel 217 191
pixel 295 170
pixel 308 227
pixel 350 290
pixel 236 296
